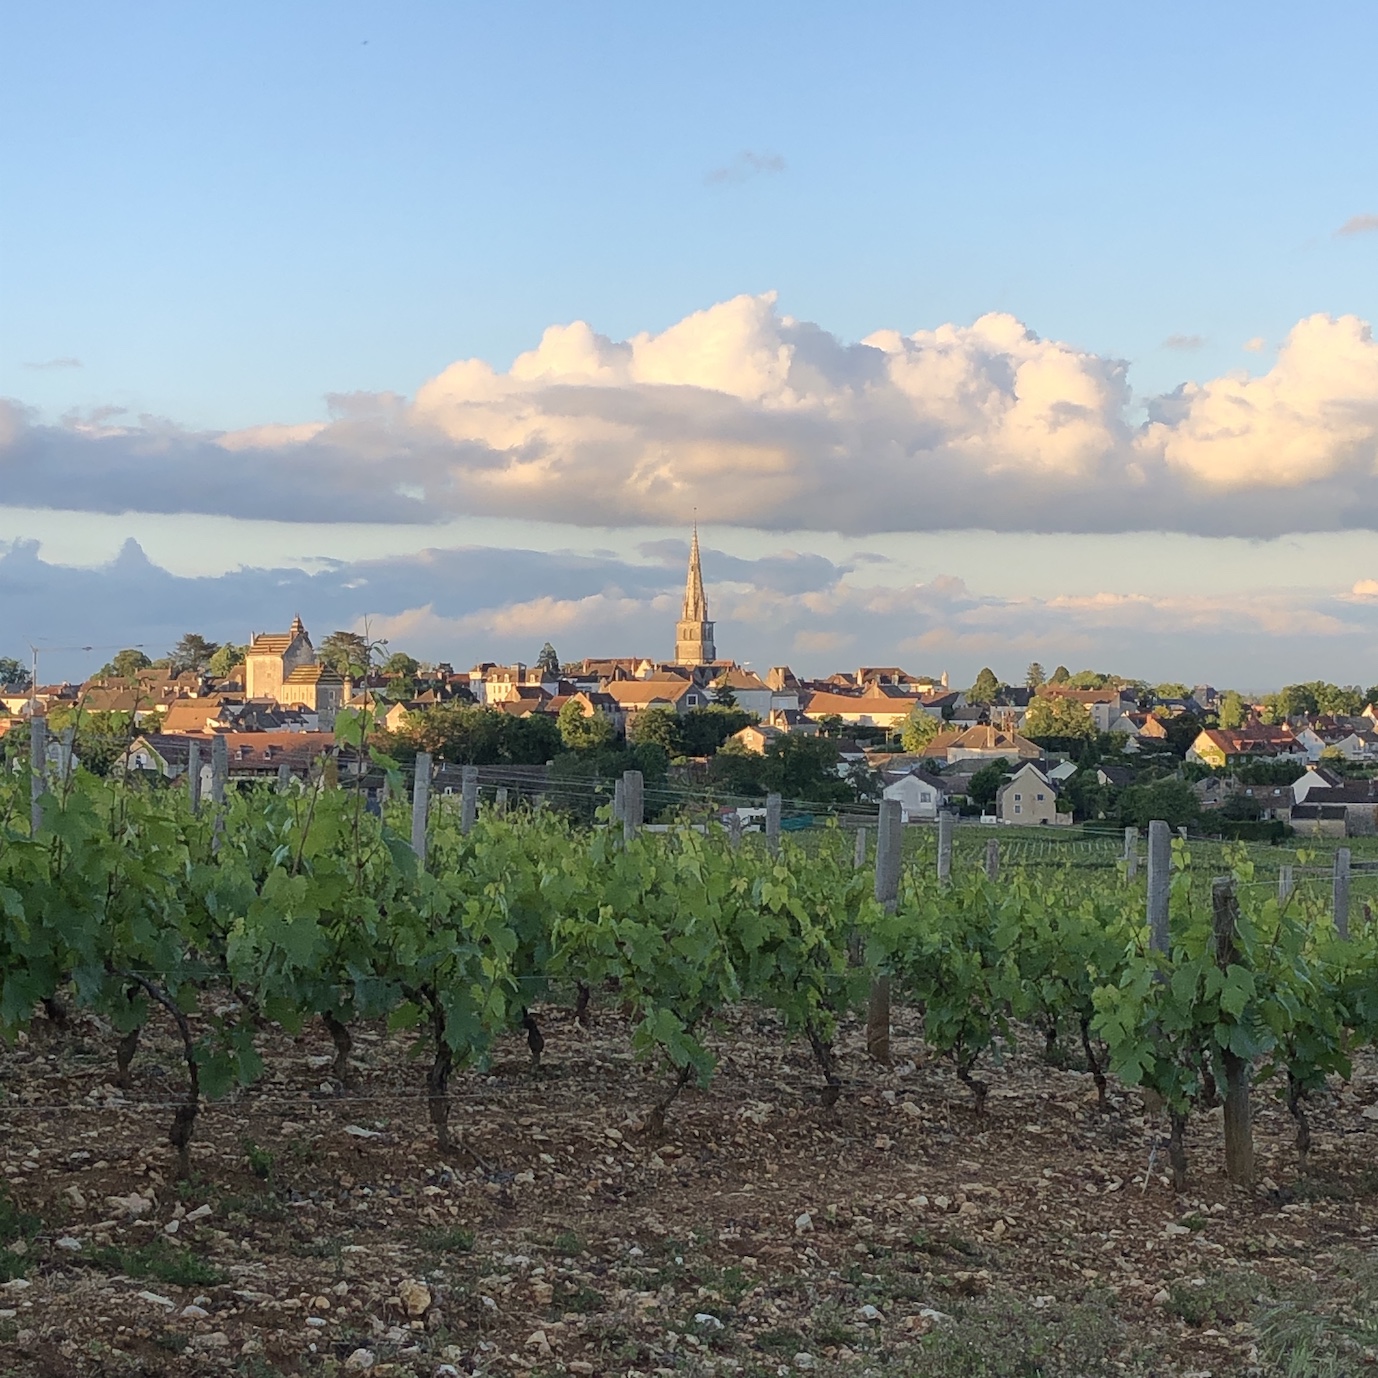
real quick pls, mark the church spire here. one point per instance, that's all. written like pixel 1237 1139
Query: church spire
pixel 695 604
pixel 694 632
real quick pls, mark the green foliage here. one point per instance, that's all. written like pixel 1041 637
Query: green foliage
pixel 583 732
pixel 985 783
pixel 703 731
pixel 1060 676
pixel 1092 679
pixel 467 734
pixel 192 652
pixel 986 688
pixel 548 662
pixel 226 660
pixel 123 665
pixel 1172 800
pixel 659 726
pixel 1058 717
pixel 158 1260
pixel 1233 710
pixel 1034 676
pixel 919 729
pixel 347 653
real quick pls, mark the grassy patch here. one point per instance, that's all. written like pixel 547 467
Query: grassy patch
pixel 261 1161
pixel 454 1239
pixel 157 1260
pixel 1002 1337
pixel 569 1243
pixel 17 1228
pixel 1219 1300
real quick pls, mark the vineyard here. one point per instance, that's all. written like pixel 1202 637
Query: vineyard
pixel 463 970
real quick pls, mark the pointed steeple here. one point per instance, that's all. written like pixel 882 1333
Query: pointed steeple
pixel 695 604
pixel 297 628
pixel 694 632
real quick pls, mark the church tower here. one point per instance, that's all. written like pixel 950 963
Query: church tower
pixel 694 632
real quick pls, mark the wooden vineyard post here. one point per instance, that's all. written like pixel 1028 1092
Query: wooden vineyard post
pixel 38 771
pixel 773 805
pixel 1159 884
pixel 992 859
pixel 420 805
pixel 859 850
pixel 1131 853
pixel 1239 1134
pixel 220 775
pixel 284 778
pixel 633 804
pixel 1284 884
pixel 194 777
pixel 468 798
pixel 889 842
pixel 734 830
pixel 945 825
pixel 1340 893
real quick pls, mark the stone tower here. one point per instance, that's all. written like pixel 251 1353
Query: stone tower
pixel 693 631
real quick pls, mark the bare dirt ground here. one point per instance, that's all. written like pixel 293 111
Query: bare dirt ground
pixel 895 1234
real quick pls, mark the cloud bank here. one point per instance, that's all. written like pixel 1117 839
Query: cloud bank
pixel 475 603
pixel 756 419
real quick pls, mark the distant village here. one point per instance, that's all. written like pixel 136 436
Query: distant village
pixel 1057 749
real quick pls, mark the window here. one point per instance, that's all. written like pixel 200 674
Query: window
pixel 1039 797
pixel 1018 797
pixel 1018 808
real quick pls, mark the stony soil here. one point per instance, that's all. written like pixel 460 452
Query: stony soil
pixel 894 1234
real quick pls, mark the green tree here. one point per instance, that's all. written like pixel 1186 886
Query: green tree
pixel 1058 717
pixel 347 653
pixel 1060 676
pixel 704 730
pixel 193 652
pixel 738 771
pixel 399 665
pixel 1034 675
pixel 13 672
pixel 1233 710
pixel 804 768
pixel 122 665
pixel 1171 690
pixel 658 725
pixel 919 729
pixel 226 660
pixel 985 689
pixel 1171 800
pixel 548 662
pixel 831 725
pixel 1090 679
pixel 985 784
pixel 724 696
pixel 583 732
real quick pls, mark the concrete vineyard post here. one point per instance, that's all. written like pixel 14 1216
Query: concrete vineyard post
pixel 1159 884
pixel 859 849
pixel 1340 892
pixel 194 777
pixel 1239 1134
pixel 1131 853
pixel 992 859
pixel 633 803
pixel 420 803
pixel 500 799
pixel 468 798
pixel 284 778
pixel 773 805
pixel 734 830
pixel 945 826
pixel 220 775
pixel 1284 884
pixel 889 843
pixel 38 770
pixel 619 800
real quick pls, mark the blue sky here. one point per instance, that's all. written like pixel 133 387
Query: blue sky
pixel 217 218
